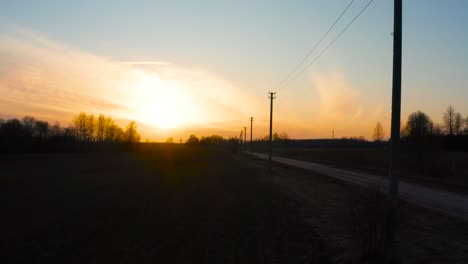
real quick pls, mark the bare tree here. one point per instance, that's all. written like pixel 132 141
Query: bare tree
pixel 437 130
pixel 131 134
pixel 284 136
pixel 28 125
pixel 276 136
pixel 90 127
pixel 56 130
pixel 114 133
pixel 449 120
pixel 100 128
pixel 79 124
pixel 41 129
pixel 84 126
pixel 379 133
pixel 465 131
pixel 109 129
pixel 458 124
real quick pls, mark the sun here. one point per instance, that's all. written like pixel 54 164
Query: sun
pixel 158 103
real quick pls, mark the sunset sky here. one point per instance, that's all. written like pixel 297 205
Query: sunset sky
pixel 204 67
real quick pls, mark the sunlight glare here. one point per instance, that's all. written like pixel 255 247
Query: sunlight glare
pixel 158 102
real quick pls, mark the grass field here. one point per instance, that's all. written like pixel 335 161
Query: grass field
pixel 187 204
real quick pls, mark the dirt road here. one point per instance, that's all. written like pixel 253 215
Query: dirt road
pixel 449 203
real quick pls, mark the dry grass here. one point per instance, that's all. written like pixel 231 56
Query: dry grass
pixel 351 219
pixel 447 170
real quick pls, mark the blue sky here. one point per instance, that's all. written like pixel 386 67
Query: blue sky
pixel 254 45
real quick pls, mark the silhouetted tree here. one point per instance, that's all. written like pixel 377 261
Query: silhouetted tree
pixel 115 133
pixel 69 132
pixel 80 126
pixel 283 136
pixel 378 134
pixel 90 127
pixel 437 130
pixel 12 131
pixel 170 140
pixel 101 127
pixel 192 140
pixel 41 129
pixel 465 131
pixel 458 124
pixel 56 130
pixel 276 136
pixel 449 120
pixel 28 125
pixel 131 135
pixel 418 125
pixel 216 139
pixel 212 140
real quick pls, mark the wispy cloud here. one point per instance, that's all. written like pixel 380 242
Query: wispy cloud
pixel 163 63
pixel 41 77
pixel 342 107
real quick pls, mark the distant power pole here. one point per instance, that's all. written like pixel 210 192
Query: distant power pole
pixel 245 137
pixel 333 134
pixel 241 136
pixel 395 130
pixel 272 95
pixel 251 142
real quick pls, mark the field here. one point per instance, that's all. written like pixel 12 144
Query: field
pixel 187 204
pixel 174 204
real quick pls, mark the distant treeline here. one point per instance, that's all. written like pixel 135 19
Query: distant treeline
pixel 421 133
pixel 85 132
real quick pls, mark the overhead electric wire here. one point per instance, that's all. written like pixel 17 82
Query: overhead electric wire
pixel 331 43
pixel 316 45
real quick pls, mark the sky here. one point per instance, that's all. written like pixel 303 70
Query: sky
pixel 205 67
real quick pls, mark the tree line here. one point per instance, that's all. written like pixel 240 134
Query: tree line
pixel 420 132
pixel 29 132
pixel 102 128
pixel 420 125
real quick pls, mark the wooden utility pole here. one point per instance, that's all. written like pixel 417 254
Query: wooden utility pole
pixel 245 137
pixel 272 95
pixel 395 130
pixel 240 137
pixel 251 142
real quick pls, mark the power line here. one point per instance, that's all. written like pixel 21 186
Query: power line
pixel 316 45
pixel 331 43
